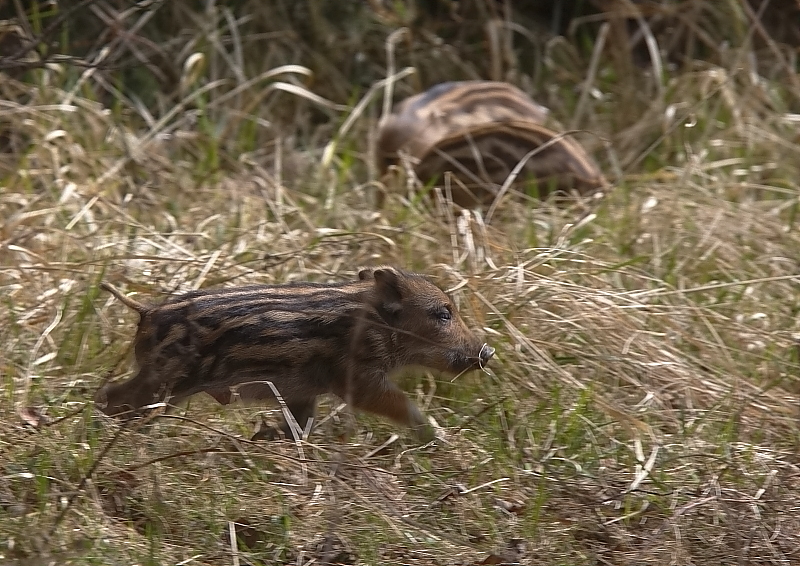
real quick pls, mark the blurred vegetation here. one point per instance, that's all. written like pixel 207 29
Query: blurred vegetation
pixel 137 54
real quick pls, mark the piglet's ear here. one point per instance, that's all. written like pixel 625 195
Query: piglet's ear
pixel 389 297
pixel 366 274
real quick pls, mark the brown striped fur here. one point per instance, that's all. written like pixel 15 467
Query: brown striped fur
pixel 484 157
pixel 420 121
pixel 307 339
pixel 480 131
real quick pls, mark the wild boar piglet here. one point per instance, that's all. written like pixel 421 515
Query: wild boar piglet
pixel 485 134
pixel 306 339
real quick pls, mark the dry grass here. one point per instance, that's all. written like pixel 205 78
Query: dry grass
pixel 643 405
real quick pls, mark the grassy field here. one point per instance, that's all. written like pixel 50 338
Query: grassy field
pixel 643 405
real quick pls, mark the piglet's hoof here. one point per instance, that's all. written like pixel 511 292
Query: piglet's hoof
pixel 268 432
pixel 424 433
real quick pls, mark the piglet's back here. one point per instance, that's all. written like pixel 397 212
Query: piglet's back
pixel 229 335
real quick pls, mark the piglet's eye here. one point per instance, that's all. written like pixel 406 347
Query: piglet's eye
pixel 443 314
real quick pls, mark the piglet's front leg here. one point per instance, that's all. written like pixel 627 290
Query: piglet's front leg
pixel 389 401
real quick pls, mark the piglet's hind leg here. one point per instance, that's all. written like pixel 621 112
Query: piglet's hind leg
pixel 302 411
pixel 129 397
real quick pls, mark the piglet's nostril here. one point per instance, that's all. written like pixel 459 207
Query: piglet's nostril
pixel 486 353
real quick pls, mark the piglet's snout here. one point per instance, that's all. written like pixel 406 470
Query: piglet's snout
pixel 485 354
